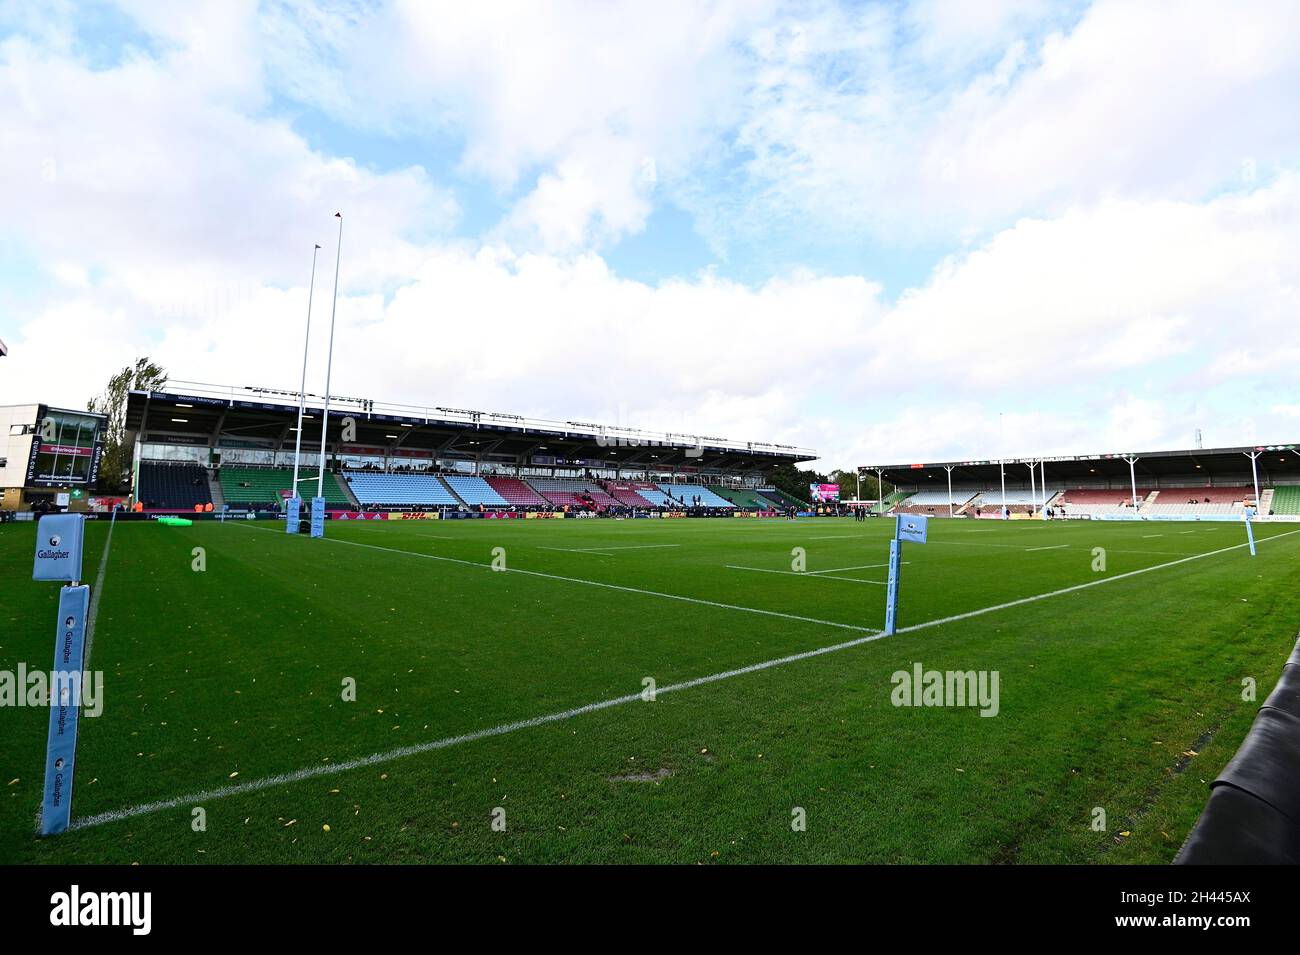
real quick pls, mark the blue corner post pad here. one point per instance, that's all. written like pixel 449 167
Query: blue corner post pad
pixel 65 708
pixel 292 514
pixel 318 517
pixel 1250 529
pixel 891 592
pixel 59 540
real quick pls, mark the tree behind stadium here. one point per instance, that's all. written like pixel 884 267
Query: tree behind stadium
pixel 144 375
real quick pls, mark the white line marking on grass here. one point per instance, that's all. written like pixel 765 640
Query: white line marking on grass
pixel 585 550
pixel 1053 547
pixel 1076 587
pixel 824 575
pixel 836 570
pixel 1145 536
pixel 312 772
pixel 596 583
pixel 838 537
pixel 93 613
pixel 570 550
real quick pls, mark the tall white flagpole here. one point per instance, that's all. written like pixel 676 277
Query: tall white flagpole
pixel 329 363
pixel 302 389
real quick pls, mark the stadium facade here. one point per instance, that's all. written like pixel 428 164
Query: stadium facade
pixel 48 456
pixel 198 446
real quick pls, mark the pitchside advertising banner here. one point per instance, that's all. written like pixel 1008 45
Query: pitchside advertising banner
pixel 823 493
pixel 66 451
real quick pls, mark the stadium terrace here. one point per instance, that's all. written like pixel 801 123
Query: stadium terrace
pixel 214 448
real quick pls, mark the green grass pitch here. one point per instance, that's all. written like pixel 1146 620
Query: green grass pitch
pixel 232 676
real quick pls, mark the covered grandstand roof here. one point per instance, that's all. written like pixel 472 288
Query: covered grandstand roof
pixel 1278 463
pixel 204 414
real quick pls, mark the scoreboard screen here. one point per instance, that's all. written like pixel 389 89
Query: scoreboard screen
pixel 66 450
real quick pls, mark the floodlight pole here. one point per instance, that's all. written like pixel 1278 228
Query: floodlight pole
pixel 880 490
pixel 948 468
pixel 1132 476
pixel 1254 470
pixel 329 364
pixel 302 389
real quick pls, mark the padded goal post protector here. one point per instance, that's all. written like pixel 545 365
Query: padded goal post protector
pixel 65 709
pixel 292 514
pixel 59 544
pixel 1253 815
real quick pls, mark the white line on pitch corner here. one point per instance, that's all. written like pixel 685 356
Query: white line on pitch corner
pixel 596 583
pixel 823 575
pixel 1053 547
pixel 331 769
pixel 312 772
pixel 93 613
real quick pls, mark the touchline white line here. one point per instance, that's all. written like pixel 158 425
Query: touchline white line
pixel 823 575
pixel 93 613
pixel 1030 550
pixel 312 772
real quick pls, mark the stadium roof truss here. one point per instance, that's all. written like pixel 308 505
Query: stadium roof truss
pixel 193 413
pixel 1269 464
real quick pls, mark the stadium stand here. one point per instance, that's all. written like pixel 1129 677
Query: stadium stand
pixel 244 486
pixel 637 494
pixel 742 497
pixel 474 490
pixel 781 499
pixel 572 492
pixel 172 486
pixel 399 490
pixel 686 493
pixel 934 502
pixel 1286 500
pixel 1197 501
pixel 516 492
pixel 1098 501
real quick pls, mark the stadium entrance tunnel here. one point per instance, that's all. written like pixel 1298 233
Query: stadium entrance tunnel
pixel 1253 816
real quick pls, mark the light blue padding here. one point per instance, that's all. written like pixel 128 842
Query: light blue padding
pixel 911 527
pixel 318 517
pixel 891 591
pixel 399 489
pixel 65 703
pixel 688 491
pixel 474 490
pixel 59 540
pixel 292 514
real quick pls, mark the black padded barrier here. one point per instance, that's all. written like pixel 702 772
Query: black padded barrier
pixel 1253 816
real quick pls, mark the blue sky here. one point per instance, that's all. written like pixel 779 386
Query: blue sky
pixel 865 228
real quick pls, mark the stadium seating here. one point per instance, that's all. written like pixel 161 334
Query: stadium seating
pixel 474 490
pixel 1099 501
pixel 244 486
pixel 684 494
pixel 517 492
pixel 172 486
pixel 1200 501
pixel 934 502
pixel 1286 500
pixel 747 499
pixel 636 494
pixel 401 489
pixel 780 499
pixel 572 492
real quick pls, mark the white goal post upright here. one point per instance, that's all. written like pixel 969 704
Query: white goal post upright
pixel 318 503
pixel 295 499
